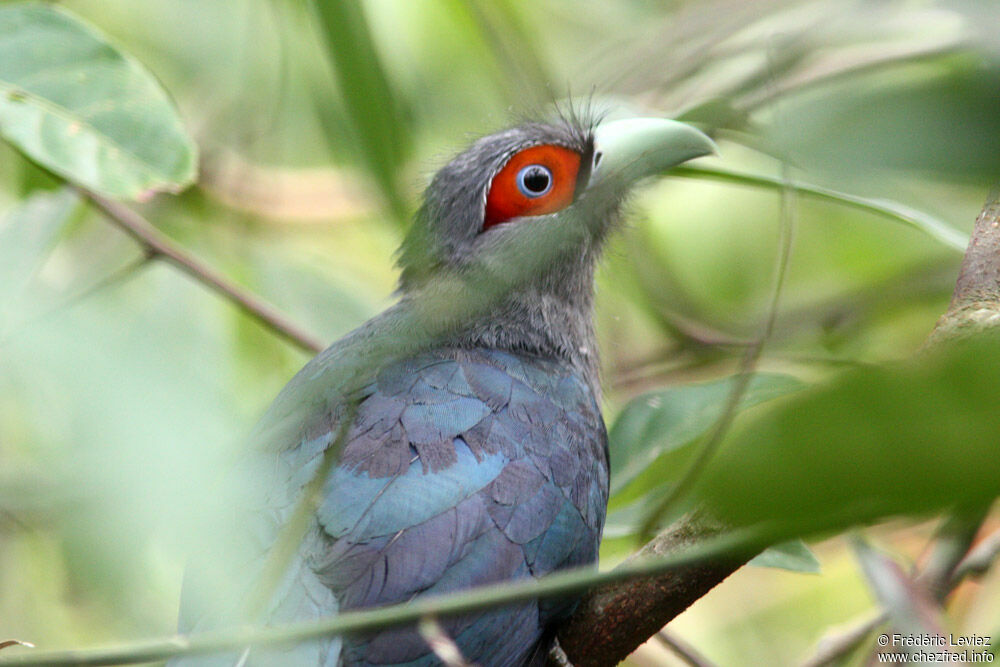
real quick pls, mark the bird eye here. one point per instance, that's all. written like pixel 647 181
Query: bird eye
pixel 537 180
pixel 534 181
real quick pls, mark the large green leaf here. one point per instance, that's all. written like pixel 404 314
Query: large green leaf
pixel 912 439
pixel 660 423
pixel 85 110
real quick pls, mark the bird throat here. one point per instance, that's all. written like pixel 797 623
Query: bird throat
pixel 551 317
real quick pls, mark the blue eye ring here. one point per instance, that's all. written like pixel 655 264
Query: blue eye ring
pixel 534 181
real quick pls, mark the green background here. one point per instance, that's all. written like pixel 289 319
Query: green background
pixel 126 387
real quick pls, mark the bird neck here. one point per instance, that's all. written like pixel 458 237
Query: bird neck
pixel 551 318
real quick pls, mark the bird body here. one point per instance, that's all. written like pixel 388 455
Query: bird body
pixel 462 468
pixel 465 421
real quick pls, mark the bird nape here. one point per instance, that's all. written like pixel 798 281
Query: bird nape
pixel 456 439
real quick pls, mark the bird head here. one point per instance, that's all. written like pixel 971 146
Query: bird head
pixel 516 223
pixel 501 254
pixel 508 185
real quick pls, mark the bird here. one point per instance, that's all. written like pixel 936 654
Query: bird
pixel 456 439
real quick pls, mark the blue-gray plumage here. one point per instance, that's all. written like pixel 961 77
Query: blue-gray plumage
pixel 501 472
pixel 475 451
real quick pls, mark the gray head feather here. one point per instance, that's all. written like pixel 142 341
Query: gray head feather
pixel 451 217
pixel 551 314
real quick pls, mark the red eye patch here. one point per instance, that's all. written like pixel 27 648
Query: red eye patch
pixel 536 181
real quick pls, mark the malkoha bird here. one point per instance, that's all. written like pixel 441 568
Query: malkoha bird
pixel 456 439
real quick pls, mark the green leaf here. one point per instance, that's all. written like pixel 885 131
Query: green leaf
pixel 793 555
pixel 86 111
pixel 372 106
pixel 657 424
pixel 911 439
pixel 27 234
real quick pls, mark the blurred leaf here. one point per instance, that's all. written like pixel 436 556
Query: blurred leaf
pixel 372 105
pixel 514 52
pixel 623 521
pixel 910 439
pixel 751 55
pixel 664 421
pixel 936 118
pixel 27 234
pixel 793 555
pixel 120 431
pixel 895 211
pixel 85 110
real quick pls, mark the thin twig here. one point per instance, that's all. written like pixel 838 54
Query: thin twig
pixel 160 246
pixel 15 642
pixel 683 650
pixel 734 544
pixel 891 210
pixel 443 646
pixel 746 371
pixel 832 649
pixel 950 563
pixel 952 543
pixel 117 277
pixel 979 559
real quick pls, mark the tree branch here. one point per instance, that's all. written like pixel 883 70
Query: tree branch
pixel 979 278
pixel 158 245
pixel 975 304
pixel 611 622
pixel 443 646
pixel 683 650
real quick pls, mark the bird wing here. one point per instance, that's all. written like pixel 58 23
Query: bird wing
pixel 462 468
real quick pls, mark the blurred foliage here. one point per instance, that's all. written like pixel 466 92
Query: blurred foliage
pixel 879 452
pixel 126 389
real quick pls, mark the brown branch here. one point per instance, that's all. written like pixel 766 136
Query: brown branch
pixel 158 245
pixel 687 653
pixel 975 304
pixel 15 642
pixel 611 622
pixel 979 278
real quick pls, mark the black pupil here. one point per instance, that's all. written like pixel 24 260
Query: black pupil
pixel 536 179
